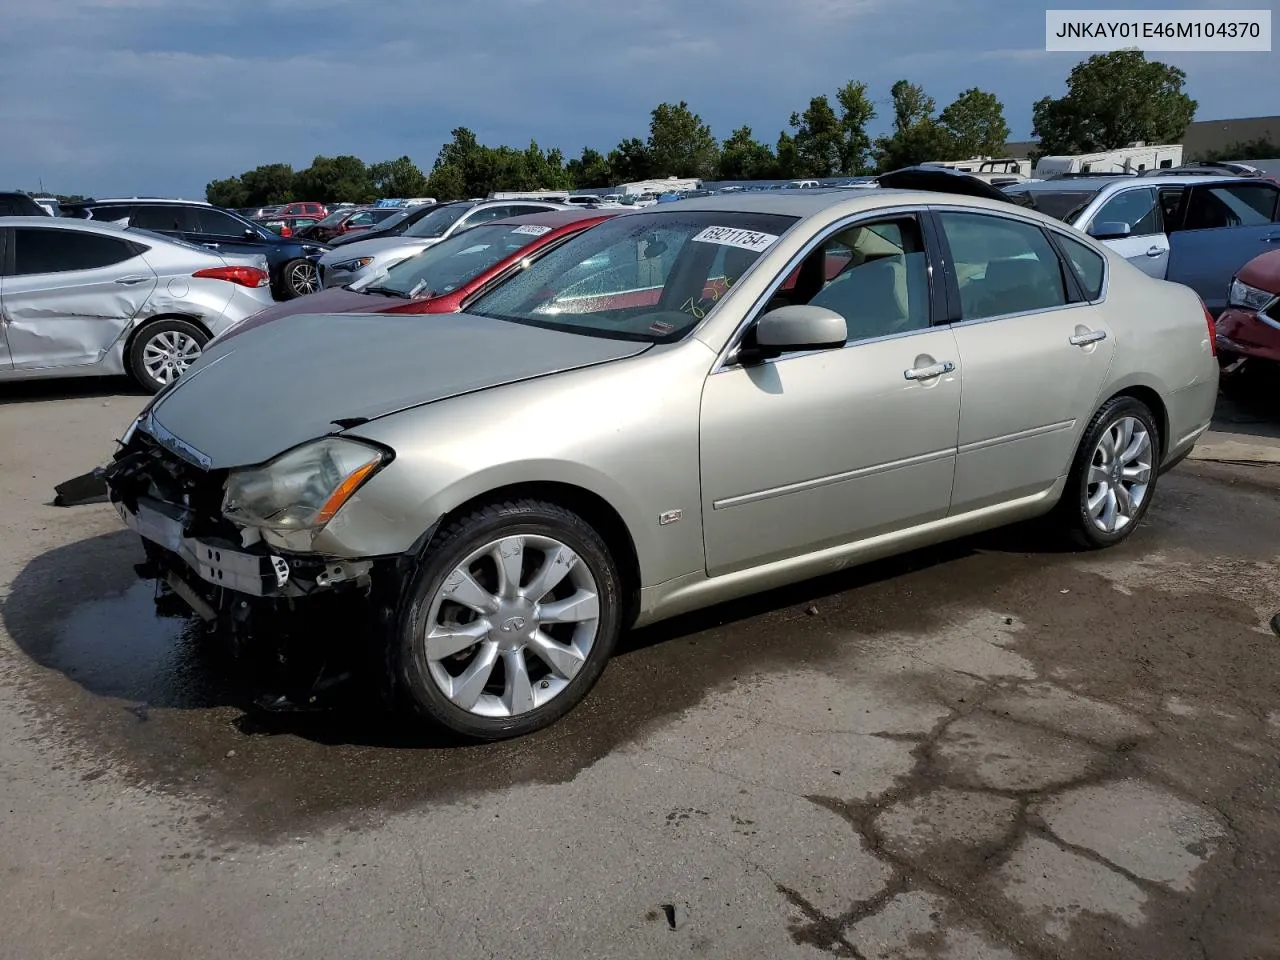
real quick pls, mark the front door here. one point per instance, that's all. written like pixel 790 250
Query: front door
pixel 1223 227
pixel 1034 361
pixel 1146 246
pixel 224 233
pixel 817 449
pixel 71 295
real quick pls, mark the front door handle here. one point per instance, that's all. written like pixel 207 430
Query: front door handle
pixel 1155 252
pixel 132 281
pixel 1084 339
pixel 211 246
pixel 929 372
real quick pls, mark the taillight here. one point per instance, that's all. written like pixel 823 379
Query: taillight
pixel 245 276
pixel 1213 330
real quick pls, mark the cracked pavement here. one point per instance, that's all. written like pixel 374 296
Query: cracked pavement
pixel 985 750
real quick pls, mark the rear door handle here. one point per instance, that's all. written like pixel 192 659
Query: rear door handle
pixel 929 372
pixel 131 281
pixel 1084 339
pixel 1155 252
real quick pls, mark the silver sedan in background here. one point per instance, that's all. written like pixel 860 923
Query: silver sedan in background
pixel 80 298
pixel 674 408
pixel 353 262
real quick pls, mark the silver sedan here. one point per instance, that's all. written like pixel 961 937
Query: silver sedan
pixel 79 298
pixel 675 408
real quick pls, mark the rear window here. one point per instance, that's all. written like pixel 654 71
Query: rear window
pixel 1064 205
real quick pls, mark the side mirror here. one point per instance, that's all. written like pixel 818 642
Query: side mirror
pixel 1111 230
pixel 798 327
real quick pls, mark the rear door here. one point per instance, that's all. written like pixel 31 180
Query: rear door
pixel 1222 227
pixel 70 295
pixel 1146 246
pixel 1034 353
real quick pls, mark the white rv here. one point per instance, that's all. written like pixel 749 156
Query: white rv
pixel 988 166
pixel 1134 158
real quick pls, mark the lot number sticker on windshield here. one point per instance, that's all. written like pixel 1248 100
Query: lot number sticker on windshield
pixel 735 237
pixel 531 230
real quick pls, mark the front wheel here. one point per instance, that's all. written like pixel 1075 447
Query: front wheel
pixel 1113 475
pixel 510 622
pixel 162 351
pixel 299 278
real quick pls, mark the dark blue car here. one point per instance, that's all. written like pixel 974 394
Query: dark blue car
pixel 292 262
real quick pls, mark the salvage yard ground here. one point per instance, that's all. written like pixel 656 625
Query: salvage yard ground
pixel 986 750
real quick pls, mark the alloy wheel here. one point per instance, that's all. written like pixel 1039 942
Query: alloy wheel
pixel 1119 475
pixel 168 354
pixel 303 278
pixel 511 626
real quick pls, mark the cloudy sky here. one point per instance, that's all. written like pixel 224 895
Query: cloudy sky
pixel 160 96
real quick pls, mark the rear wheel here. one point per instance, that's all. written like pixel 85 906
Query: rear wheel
pixel 1114 474
pixel 511 620
pixel 162 351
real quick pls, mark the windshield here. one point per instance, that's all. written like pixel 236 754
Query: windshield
pixel 437 222
pixel 336 217
pixel 1064 205
pixel 452 263
pixel 647 277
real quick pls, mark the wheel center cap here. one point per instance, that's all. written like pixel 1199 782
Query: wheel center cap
pixel 515 622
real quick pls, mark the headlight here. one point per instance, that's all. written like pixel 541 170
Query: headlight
pixel 303 489
pixel 1251 298
pixel 351 266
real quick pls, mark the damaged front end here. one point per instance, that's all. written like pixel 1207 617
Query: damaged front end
pixel 313 618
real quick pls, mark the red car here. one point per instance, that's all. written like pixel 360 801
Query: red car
pixel 287 226
pixel 304 208
pixel 346 220
pixel 1249 329
pixel 444 278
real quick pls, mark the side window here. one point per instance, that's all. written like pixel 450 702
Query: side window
pixel 1088 265
pixel 1170 206
pixel 874 275
pixel 1231 205
pixel 1138 208
pixel 113 214
pixel 59 251
pixel 215 223
pixel 359 220
pixel 1002 266
pixel 163 219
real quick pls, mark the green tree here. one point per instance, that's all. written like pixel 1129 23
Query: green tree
pixel 545 170
pixel 447 183
pixel 680 144
pixel 1114 99
pixel 267 184
pixel 788 158
pixel 917 137
pixel 226 193
pixel 589 170
pixel 743 157
pixel 819 139
pixel 975 120
pixel 397 178
pixel 630 161
pixel 335 179
pixel 856 111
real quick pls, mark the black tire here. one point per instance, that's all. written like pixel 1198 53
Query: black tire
pixel 450 547
pixel 292 283
pixel 151 334
pixel 1073 509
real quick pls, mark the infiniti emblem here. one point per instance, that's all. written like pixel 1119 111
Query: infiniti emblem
pixel 514 623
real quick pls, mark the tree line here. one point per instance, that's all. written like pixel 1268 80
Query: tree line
pixel 1112 99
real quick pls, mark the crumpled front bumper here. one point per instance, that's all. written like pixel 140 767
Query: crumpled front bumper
pixel 218 563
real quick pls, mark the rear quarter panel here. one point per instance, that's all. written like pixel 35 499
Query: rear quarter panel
pixel 1161 343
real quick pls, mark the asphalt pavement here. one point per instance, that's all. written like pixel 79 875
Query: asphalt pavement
pixel 991 749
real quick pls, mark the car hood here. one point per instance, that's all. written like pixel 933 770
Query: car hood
pixel 374 246
pixel 333 300
pixel 258 394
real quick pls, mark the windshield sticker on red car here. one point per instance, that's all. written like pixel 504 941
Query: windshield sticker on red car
pixel 531 230
pixel 735 237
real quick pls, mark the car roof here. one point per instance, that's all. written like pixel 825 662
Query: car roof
pixel 106 200
pixel 1095 184
pixel 64 223
pixel 557 218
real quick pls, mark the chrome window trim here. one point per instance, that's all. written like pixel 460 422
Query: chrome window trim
pixel 752 314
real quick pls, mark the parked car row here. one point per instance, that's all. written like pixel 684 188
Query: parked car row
pixel 492 496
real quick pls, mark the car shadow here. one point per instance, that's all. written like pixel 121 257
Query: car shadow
pixel 1251 407
pixel 70 388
